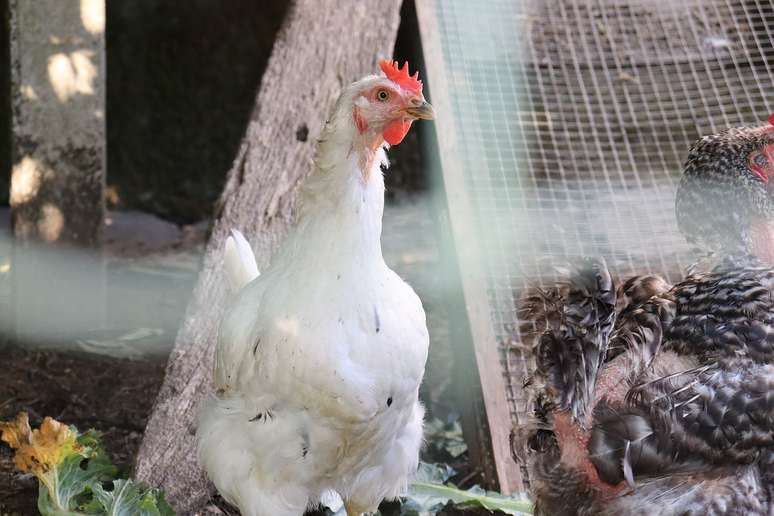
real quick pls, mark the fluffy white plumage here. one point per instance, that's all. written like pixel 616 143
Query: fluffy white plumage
pixel 320 358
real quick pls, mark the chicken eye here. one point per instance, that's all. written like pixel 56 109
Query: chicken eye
pixel 382 95
pixel 760 160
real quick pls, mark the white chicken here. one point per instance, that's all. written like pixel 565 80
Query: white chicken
pixel 320 358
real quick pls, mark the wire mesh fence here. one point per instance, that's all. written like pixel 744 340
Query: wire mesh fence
pixel 573 119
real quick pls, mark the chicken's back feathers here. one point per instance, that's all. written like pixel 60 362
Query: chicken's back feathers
pixel 682 412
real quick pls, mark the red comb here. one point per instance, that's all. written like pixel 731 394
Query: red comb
pixel 771 119
pixel 400 76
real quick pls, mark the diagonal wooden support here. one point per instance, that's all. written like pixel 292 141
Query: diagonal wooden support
pixel 321 47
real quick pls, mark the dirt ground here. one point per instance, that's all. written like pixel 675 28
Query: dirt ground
pixel 88 391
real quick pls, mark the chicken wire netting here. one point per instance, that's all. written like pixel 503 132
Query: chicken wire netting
pixel 572 120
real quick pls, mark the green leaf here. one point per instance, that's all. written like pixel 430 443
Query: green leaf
pixel 428 494
pixel 63 486
pixel 446 436
pixel 434 473
pixel 130 498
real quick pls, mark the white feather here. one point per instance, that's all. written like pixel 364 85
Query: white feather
pixel 239 260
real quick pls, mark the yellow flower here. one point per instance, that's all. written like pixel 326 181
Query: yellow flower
pixel 37 451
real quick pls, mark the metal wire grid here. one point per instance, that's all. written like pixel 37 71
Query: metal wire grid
pixel 573 119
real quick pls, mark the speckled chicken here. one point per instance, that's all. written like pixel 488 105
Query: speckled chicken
pixel 320 357
pixel 651 399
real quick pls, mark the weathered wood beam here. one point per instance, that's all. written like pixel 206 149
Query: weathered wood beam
pixel 321 47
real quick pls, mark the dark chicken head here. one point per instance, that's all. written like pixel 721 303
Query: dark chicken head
pixel 725 200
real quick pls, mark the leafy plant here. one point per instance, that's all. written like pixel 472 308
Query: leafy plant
pixel 430 492
pixel 446 436
pixel 75 475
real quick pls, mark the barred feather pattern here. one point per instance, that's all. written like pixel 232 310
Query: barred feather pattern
pixel 572 349
pixel 724 409
pixel 716 173
pixel 671 389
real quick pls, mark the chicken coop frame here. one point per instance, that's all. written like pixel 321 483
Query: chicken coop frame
pixel 562 126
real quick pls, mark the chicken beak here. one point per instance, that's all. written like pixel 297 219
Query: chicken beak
pixel 424 111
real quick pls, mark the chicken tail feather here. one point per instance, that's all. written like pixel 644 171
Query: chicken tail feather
pixel 239 260
pixel 572 348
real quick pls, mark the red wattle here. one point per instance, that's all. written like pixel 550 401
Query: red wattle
pixel 396 131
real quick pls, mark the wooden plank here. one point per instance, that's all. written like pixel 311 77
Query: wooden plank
pixel 493 384
pixel 321 47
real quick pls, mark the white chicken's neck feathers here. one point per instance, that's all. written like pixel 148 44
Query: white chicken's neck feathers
pixel 339 195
